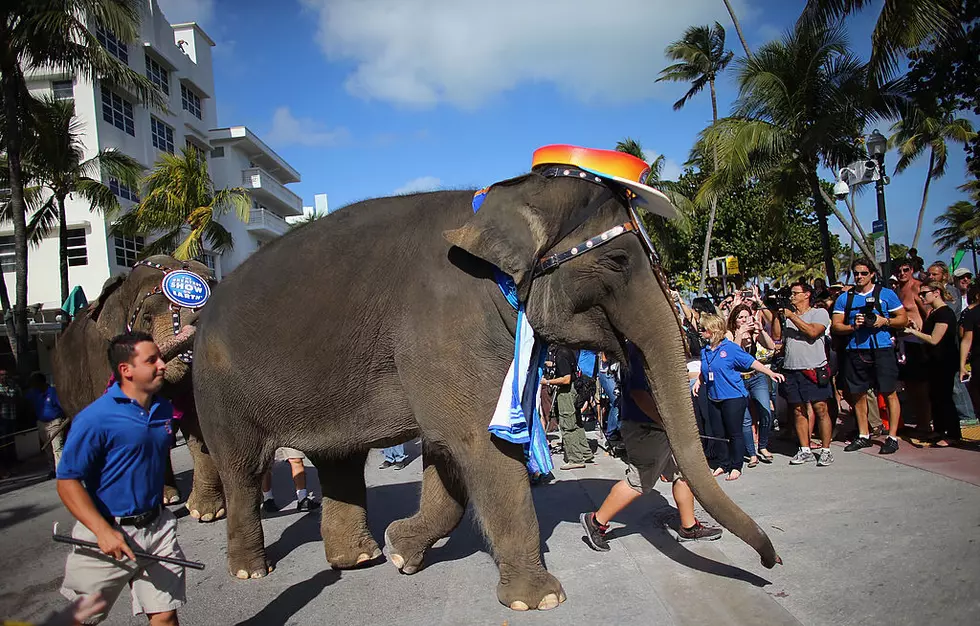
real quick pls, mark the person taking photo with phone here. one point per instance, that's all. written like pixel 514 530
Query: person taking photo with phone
pixel 746 331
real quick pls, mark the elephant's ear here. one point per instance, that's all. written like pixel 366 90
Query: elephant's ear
pixel 94 310
pixel 508 231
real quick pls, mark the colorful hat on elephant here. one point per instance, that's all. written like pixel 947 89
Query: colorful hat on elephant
pixel 611 166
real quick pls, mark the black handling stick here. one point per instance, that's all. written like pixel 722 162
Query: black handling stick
pixel 143 555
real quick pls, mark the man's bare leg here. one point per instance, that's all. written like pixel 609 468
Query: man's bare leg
pixel 860 404
pixel 684 499
pixel 620 497
pixel 802 425
pixel 894 413
pixel 823 422
pixel 168 618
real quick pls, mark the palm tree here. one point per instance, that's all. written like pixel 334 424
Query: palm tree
pixel 53 33
pixel 919 130
pixel 738 28
pixel 632 147
pixel 960 223
pixel 701 56
pixel 180 202
pixel 58 164
pixel 902 25
pixel 803 101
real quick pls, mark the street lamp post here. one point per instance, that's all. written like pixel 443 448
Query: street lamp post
pixel 877 146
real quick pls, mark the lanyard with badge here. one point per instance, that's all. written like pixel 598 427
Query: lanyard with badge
pixel 711 361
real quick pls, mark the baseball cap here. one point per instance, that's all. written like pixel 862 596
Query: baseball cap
pixel 960 272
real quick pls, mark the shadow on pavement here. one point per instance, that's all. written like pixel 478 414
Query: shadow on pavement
pixel 14 515
pixel 293 599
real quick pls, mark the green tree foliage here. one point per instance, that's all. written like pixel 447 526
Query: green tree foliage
pixel 180 202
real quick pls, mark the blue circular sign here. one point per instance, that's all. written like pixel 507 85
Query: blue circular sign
pixel 185 289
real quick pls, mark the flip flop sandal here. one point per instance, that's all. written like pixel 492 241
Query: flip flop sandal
pixel 765 458
pixel 753 463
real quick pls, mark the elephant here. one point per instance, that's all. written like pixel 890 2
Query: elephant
pixel 81 368
pixel 390 325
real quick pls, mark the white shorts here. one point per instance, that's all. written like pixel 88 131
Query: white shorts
pixel 155 587
pixel 284 454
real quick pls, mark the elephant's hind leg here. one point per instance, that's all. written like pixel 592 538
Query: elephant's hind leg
pixel 347 540
pixel 206 502
pixel 442 506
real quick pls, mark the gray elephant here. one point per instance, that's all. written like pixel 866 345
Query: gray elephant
pixel 136 301
pixel 391 326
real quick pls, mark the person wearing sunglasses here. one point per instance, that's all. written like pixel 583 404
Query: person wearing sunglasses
pixel 865 315
pixel 914 371
pixel 939 335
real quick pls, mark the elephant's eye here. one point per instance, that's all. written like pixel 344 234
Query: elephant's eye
pixel 615 260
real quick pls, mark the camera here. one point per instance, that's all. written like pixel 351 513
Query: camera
pixel 841 190
pixel 868 311
pixel 778 300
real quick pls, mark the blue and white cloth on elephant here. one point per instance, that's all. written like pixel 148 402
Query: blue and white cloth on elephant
pixel 519 396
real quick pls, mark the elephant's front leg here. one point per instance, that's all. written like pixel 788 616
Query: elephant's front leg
pixel 207 500
pixel 246 542
pixel 347 540
pixel 497 483
pixel 442 506
pixel 171 495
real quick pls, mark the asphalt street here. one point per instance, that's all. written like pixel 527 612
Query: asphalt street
pixel 864 541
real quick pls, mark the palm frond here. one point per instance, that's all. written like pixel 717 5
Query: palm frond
pixel 43 222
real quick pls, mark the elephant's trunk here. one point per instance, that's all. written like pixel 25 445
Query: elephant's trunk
pixel 651 327
pixel 172 346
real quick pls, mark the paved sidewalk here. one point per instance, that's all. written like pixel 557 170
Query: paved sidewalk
pixel 864 541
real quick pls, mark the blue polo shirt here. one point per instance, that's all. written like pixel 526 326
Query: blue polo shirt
pixel 634 379
pixel 720 367
pixel 866 338
pixel 45 404
pixel 119 451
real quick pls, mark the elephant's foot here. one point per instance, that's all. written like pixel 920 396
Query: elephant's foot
pixel 170 495
pixel 352 552
pixel 524 591
pixel 255 566
pixel 205 508
pixel 405 548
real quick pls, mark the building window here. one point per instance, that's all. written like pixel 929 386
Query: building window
pixel 158 75
pixel 218 152
pixel 63 90
pixel 163 135
pixel 118 111
pixel 123 191
pixel 7 253
pixel 77 253
pixel 190 101
pixel 128 249
pixel 201 152
pixel 208 259
pixel 115 47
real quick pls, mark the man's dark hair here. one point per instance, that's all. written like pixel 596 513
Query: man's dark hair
pixel 122 347
pixel 702 304
pixel 807 289
pixel 865 262
pixel 38 380
pixel 973 294
pixel 904 262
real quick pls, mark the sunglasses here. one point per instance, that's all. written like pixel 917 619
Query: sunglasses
pixel 922 294
pixel 857 273
pixel 904 270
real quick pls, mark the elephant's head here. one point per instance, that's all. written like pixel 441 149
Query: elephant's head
pixel 597 297
pixel 136 302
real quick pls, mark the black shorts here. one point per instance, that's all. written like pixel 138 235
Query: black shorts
pixel 799 389
pixel 916 367
pixel 871 369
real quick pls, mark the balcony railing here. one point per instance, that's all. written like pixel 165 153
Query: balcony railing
pixel 259 180
pixel 266 222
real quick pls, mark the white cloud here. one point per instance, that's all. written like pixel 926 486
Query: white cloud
pixel 179 11
pixel 424 52
pixel 672 169
pixel 289 130
pixel 422 183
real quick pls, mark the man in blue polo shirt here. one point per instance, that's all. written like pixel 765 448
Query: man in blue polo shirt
pixel 865 315
pixel 650 457
pixel 111 479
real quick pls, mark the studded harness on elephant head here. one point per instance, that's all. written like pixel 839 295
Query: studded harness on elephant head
pixel 175 308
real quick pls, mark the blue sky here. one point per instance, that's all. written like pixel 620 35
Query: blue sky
pixel 367 98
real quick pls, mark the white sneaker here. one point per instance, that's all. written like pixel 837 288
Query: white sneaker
pixel 826 458
pixel 801 458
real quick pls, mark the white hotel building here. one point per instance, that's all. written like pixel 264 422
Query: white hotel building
pixel 177 58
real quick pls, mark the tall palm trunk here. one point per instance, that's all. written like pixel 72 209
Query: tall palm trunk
pixel 925 198
pixel 738 28
pixel 828 255
pixel 63 247
pixel 8 321
pixel 714 201
pixel 14 105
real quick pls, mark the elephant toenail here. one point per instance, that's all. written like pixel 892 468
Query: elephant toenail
pixel 362 557
pixel 195 514
pixel 410 569
pixel 207 517
pixel 550 601
pixel 242 574
pixel 561 596
pixel 398 560
pixel 258 574
pixel 220 513
pixel 517 605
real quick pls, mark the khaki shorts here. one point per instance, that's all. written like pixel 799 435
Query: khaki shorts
pixel 284 454
pixel 649 455
pixel 155 587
